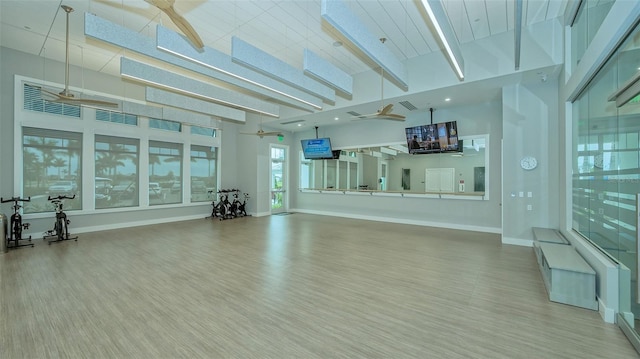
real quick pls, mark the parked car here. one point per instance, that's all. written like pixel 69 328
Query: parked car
pixel 123 191
pixel 103 189
pixel 155 191
pixel 198 187
pixel 63 188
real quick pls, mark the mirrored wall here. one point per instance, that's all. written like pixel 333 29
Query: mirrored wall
pixel 390 168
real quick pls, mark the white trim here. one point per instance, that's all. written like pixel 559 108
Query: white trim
pixel 607 314
pixel 517 241
pixel 76 230
pixel 461 227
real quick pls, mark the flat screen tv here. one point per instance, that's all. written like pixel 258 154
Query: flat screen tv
pixel 317 149
pixel 433 138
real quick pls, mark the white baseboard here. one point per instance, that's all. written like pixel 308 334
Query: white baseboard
pixel 261 214
pixel 607 314
pixel 403 221
pixel 517 241
pixel 77 230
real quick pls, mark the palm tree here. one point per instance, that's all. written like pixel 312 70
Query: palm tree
pixel 46 147
pixel 58 163
pixel 153 161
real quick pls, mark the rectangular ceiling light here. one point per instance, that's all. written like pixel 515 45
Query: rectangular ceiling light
pixel 322 70
pixel 439 20
pixel 248 55
pixel 192 104
pixel 173 43
pixel 157 77
pixel 518 32
pixel 104 30
pixel 338 15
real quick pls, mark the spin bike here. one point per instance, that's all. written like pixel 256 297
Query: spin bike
pixel 60 231
pixel 17 226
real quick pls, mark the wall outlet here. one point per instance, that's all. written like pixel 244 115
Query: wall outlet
pixel 529 207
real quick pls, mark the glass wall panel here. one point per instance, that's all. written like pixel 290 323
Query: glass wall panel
pixel 586 25
pixel 203 173
pixel 116 176
pixel 51 166
pixel 165 171
pixel 606 167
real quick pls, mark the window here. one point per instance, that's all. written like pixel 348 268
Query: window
pixel 116 117
pixel 33 101
pixel 203 131
pixel 165 170
pixel 203 173
pixel 116 176
pixel 165 125
pixel 51 167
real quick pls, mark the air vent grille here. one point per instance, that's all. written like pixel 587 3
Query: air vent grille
pixel 408 105
pixel 353 113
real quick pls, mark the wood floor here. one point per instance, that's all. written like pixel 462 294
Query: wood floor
pixel 296 286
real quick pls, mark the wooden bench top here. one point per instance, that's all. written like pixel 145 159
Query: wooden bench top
pixel 564 257
pixel 548 235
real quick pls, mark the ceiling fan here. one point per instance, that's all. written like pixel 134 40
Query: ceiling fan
pixel 262 133
pixel 384 113
pixel 66 96
pixel 167 7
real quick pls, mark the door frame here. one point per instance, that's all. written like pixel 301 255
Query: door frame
pixel 285 179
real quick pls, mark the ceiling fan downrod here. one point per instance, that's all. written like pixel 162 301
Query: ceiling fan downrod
pixel 65 92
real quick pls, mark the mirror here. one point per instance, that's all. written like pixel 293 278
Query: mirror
pixel 391 168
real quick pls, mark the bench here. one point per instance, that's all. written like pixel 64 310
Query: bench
pixel 568 278
pixel 546 235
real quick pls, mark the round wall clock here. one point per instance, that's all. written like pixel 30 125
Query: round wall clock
pixel 598 160
pixel 528 162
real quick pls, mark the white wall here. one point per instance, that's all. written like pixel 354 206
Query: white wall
pixel 530 127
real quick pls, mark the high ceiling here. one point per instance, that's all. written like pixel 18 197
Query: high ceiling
pixel 281 28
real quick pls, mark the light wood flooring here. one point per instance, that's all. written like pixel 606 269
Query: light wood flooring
pixel 296 286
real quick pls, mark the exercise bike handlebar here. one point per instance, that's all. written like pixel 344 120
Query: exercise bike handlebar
pixel 60 198
pixel 15 199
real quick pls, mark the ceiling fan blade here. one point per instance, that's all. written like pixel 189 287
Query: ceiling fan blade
pixel 70 99
pixel 167 7
pixel 386 110
pixel 86 101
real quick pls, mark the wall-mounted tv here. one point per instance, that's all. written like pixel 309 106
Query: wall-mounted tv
pixel 317 149
pixel 433 138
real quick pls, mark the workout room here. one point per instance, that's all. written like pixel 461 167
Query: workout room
pixel 327 178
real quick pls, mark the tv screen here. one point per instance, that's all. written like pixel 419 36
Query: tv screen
pixel 317 149
pixel 433 138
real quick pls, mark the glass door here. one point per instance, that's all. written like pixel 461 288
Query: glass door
pixel 278 178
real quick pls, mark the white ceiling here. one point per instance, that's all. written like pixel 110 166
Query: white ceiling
pixel 281 28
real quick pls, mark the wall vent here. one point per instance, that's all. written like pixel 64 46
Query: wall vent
pixel 355 114
pixel 408 105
